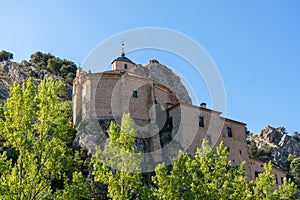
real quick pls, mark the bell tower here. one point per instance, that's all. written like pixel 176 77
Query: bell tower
pixel 122 63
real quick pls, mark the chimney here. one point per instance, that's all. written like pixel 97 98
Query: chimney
pixel 203 105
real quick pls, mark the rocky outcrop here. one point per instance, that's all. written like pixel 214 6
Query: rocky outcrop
pixel 11 72
pixel 282 144
pixel 165 76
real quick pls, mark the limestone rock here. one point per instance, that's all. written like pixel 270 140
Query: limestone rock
pixel 282 144
pixel 11 72
pixel 165 76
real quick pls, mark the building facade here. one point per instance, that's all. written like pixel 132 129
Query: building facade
pixel 164 122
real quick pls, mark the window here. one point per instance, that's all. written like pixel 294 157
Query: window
pixel 201 121
pixel 240 152
pixel 125 66
pixel 229 132
pixel 134 94
pixel 281 180
pixel 256 174
pixel 208 137
pixel 276 178
pixel 170 122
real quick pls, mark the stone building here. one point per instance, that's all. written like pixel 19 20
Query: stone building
pixel 164 116
pixel 257 167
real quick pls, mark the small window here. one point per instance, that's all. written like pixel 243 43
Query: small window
pixel 276 178
pixel 256 174
pixel 281 180
pixel 134 94
pixel 170 122
pixel 125 66
pixel 201 121
pixel 208 137
pixel 240 152
pixel 229 132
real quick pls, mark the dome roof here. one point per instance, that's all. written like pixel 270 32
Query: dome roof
pixel 123 58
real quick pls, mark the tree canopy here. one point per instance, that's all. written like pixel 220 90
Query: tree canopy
pixel 211 176
pixel 37 126
pixel 5 56
pixel 207 175
pixel 295 170
pixel 62 67
pixel 118 165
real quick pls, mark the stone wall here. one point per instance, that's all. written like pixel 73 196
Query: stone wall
pixel 189 134
pixel 257 167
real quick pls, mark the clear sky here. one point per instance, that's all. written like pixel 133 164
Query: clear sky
pixel 255 44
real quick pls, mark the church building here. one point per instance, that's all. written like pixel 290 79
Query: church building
pixel 164 116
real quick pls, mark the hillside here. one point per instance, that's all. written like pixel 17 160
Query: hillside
pixel 276 145
pixel 17 72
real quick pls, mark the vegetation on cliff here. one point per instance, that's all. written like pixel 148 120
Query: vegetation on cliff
pixel 6 56
pixel 55 65
pixel 43 65
pixel 276 145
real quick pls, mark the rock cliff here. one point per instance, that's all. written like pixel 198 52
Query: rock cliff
pixel 11 72
pixel 165 76
pixel 281 144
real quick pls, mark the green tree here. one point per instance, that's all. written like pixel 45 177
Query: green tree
pixel 54 65
pixel 211 176
pixel 263 186
pixel 64 68
pixel 263 153
pixel 37 125
pixel 118 164
pixel 174 183
pixel 295 170
pixel 206 176
pixel 296 135
pixel 41 59
pixel 6 56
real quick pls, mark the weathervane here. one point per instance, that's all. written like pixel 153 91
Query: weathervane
pixel 123 44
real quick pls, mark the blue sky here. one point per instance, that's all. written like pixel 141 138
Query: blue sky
pixel 255 44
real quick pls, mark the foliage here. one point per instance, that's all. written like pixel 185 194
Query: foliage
pixel 207 176
pixel 41 59
pixel 211 176
pixel 263 186
pixel 118 165
pixel 5 56
pixel 173 184
pixel 1 111
pixel 296 135
pixel 263 153
pixel 37 125
pixel 281 129
pixel 295 170
pixel 62 67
